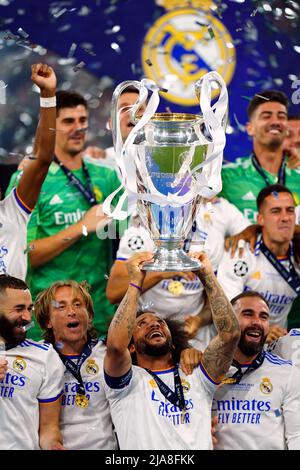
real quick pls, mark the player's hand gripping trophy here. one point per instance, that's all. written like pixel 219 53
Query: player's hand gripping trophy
pixel 168 163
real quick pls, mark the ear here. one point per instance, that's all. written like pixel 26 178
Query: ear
pixel 249 128
pixel 49 325
pixel 260 219
pixel 131 348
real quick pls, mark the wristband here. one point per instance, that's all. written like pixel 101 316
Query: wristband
pixel 48 102
pixel 137 287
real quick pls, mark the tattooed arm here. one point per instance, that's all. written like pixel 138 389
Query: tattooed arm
pixel 117 359
pixel 218 355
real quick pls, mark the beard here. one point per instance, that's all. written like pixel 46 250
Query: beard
pixel 154 350
pixel 250 349
pixel 9 333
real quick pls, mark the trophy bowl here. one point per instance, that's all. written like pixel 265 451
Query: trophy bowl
pixel 167 144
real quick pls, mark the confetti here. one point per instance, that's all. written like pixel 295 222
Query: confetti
pixel 84 231
pixel 60 13
pixel 115 47
pixel 23 33
pixel 263 97
pixel 106 276
pixel 78 66
pixel 55 304
pixel 2 346
pixel 211 32
pixel 201 24
pixel 29 248
pixel 249 98
pixel 254 12
pixel 275 194
pixel 59 345
pixel 28 326
pixel 239 125
pixel 67 239
pixel 148 62
pixel 164 90
pixel 277 413
pixel 72 50
pixel 168 110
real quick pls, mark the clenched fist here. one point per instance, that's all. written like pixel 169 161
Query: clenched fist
pixel 44 77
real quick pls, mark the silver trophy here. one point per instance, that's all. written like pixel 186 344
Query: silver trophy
pixel 168 163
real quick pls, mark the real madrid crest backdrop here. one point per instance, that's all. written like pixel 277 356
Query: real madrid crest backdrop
pixel 95 44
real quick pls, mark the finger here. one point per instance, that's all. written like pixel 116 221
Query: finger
pixel 227 243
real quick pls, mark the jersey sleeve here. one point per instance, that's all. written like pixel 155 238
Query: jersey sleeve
pixel 209 383
pixel 14 209
pixel 134 240
pixel 232 274
pixel 291 410
pixel 53 379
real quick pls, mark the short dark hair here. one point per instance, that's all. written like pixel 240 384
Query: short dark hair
pixel 249 293
pixel 269 95
pixel 10 282
pixel 272 188
pixel 294 117
pixel 69 99
pixel 130 89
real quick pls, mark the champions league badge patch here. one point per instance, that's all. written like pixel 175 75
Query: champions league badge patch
pixel 184 44
pixel 266 387
pixel 240 268
pixel 135 243
pixel 19 364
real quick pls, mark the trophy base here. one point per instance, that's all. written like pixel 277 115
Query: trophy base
pixel 169 256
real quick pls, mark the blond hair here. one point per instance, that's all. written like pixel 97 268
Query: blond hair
pixel 44 301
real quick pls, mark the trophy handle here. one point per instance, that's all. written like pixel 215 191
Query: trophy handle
pixel 114 105
pixel 213 77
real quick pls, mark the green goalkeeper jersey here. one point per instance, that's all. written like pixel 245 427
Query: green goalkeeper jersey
pixel 242 184
pixel 60 205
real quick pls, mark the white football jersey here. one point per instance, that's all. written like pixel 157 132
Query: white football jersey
pixel 262 411
pixel 288 346
pixel 254 272
pixel 145 419
pixel 225 217
pixel 90 427
pixel 14 216
pixel 34 376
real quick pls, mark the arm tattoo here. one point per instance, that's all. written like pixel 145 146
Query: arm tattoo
pixel 124 318
pixel 218 355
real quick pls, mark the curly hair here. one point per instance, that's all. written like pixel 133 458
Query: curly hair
pixel 45 298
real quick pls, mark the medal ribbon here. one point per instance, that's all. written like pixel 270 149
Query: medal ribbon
pixel 255 364
pixel 281 172
pixel 290 276
pixel 88 191
pixel 177 397
pixel 74 368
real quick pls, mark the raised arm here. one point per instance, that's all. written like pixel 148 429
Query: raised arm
pixel 218 355
pixel 35 172
pixel 117 284
pixel 117 359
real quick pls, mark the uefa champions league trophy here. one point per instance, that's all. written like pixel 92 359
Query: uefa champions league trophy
pixel 168 163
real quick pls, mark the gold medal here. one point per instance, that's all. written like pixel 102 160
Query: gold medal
pixel 175 287
pixel 81 400
pixel 230 380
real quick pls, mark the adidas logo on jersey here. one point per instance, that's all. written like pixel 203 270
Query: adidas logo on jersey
pixel 249 196
pixel 55 200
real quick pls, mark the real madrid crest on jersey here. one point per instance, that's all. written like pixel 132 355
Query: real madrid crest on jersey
pixel 266 387
pixel 135 243
pixel 92 367
pixel 19 364
pixel 240 268
pixel 183 45
pixel 185 385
